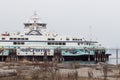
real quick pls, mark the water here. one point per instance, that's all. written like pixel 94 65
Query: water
pixel 112 58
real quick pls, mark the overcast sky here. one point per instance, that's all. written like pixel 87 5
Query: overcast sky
pixel 69 17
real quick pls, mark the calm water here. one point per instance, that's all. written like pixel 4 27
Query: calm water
pixel 112 58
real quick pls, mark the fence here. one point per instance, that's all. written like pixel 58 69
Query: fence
pixel 115 56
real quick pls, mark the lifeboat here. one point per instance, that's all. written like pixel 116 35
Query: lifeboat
pixel 5 34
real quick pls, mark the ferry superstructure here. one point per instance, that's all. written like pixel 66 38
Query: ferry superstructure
pixel 36 41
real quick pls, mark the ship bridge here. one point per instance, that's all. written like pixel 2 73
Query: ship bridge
pixel 34 26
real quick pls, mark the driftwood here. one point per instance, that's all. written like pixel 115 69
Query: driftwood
pixel 5 73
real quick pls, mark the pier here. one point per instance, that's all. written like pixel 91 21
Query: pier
pixel 99 56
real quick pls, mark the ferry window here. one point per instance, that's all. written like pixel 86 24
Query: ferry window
pixel 64 43
pixel 49 43
pixel 75 39
pixel 22 38
pixel 81 42
pixel 78 43
pixel 52 43
pixel 22 43
pixel 44 24
pixel 18 43
pixel 51 39
pixel 3 38
pixel 67 39
pixel 30 24
pixel 26 38
pixel 14 43
pixel 11 38
pixel 56 43
pixel 88 43
pixel 80 39
pixel 38 24
pixel 15 39
pixel 18 38
pixel 60 43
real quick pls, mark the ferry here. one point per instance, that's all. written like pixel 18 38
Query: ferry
pixel 35 43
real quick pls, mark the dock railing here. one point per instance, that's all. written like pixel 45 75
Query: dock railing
pixel 115 55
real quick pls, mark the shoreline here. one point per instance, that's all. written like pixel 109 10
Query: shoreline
pixel 81 70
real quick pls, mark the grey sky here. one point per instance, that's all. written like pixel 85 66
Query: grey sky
pixel 69 17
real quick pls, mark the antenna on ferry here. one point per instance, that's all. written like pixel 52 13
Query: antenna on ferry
pixel 90 32
pixel 35 17
pixel 35 13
